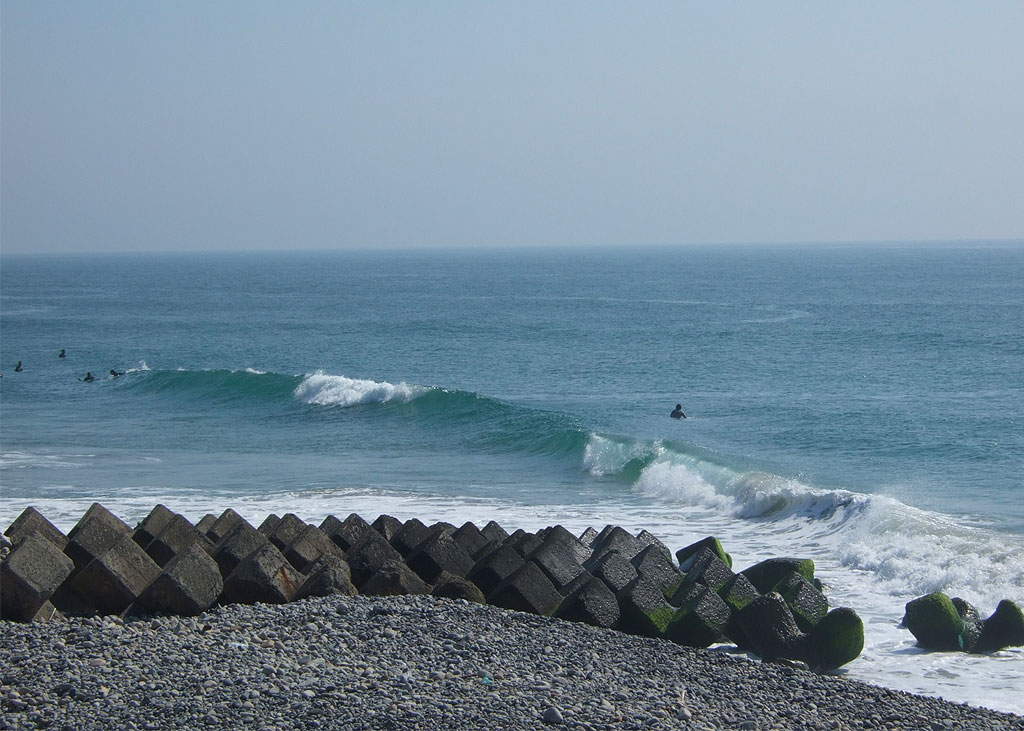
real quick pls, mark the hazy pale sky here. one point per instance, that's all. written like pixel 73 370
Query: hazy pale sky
pixel 135 125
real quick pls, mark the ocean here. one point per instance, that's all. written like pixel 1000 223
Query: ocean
pixel 860 405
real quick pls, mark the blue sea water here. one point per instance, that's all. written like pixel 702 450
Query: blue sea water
pixel 858 404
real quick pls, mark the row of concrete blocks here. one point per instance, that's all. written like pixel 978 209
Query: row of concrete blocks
pixel 609 578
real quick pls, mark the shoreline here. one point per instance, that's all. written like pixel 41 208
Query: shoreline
pixel 412 662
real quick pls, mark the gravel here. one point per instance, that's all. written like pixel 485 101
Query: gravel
pixel 417 662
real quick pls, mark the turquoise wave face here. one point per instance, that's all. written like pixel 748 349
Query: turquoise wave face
pixel 330 409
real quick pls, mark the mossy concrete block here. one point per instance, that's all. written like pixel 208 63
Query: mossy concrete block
pixel 644 609
pixel 836 640
pixel 1005 628
pixel 114 581
pixel 593 602
pixel 188 585
pixel 177 535
pixel 240 541
pixel 527 590
pixel 771 629
pixel 451 586
pixel 93 535
pixel 766 575
pixel 737 593
pixel 345 533
pixel 973 624
pixel 263 576
pixel 368 554
pixel 654 564
pixel 705 567
pixel 310 544
pixel 702 619
pixel 33 571
pixel 31 520
pixel 327 576
pixel 711 543
pixel 394 578
pixel 152 525
pixel 934 622
pixel 489 572
pixel 809 606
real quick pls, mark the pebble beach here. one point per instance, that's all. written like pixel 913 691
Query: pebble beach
pixel 418 662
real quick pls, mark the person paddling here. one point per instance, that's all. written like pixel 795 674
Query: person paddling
pixel 88 377
pixel 678 413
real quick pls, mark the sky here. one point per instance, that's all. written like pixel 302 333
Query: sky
pixel 177 126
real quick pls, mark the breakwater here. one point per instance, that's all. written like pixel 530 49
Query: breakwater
pixel 609 578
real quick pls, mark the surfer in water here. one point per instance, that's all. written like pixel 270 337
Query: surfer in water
pixel 62 354
pixel 88 377
pixel 678 412
pixel 18 368
pixel 115 374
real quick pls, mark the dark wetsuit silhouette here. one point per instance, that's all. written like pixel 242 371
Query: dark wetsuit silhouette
pixel 678 413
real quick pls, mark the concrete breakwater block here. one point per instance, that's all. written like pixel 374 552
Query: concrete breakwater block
pixel 941 623
pixel 152 525
pixel 31 520
pixel 437 554
pixel 263 576
pixel 175 537
pixel 114 580
pixel 240 541
pixel 33 571
pixel 308 545
pixel 344 533
pixel 189 584
pixel 368 554
pixel 93 535
pixel 326 576
pixel 609 578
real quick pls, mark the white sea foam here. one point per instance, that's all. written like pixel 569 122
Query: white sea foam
pixel 324 389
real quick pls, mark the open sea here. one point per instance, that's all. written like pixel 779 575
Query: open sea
pixel 861 405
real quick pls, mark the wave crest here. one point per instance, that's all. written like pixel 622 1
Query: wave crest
pixel 322 389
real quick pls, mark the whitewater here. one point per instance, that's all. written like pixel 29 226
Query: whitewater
pixel 855 405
